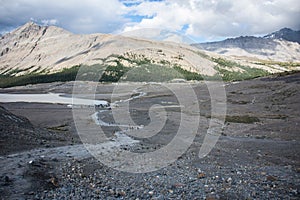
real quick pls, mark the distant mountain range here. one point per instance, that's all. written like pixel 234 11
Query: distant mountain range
pixel 285 34
pixel 32 49
pixel 281 45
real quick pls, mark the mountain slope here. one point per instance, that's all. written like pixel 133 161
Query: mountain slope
pixel 283 45
pixel 33 50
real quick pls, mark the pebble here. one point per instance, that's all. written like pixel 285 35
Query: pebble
pixel 229 180
pixel 172 182
pixel 271 178
pixel 201 175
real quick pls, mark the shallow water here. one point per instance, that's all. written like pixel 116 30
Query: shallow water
pixel 49 98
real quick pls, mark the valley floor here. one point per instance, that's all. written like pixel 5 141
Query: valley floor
pixel 256 157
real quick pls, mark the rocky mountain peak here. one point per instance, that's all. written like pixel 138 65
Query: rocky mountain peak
pixel 285 34
pixel 28 27
pixel 33 30
pixel 281 45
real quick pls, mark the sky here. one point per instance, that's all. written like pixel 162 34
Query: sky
pixel 174 20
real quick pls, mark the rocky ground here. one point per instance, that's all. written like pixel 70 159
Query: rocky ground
pixel 256 157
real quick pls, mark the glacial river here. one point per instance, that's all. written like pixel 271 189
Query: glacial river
pixel 49 98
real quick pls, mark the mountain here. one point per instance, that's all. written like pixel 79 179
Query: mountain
pixel 283 45
pixel 285 34
pixel 33 49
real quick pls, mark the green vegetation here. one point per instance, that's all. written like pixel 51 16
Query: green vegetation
pixel 282 64
pixel 104 73
pixel 142 70
pixel 78 72
pixel 151 73
pixel 64 75
pixel 187 74
pixel 113 73
pixel 228 75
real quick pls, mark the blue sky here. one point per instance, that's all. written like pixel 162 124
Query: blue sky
pixel 196 20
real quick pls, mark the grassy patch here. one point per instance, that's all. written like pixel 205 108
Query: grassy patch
pixel 64 75
pixel 187 74
pixel 144 72
pixel 151 73
pixel 282 64
pixel 230 75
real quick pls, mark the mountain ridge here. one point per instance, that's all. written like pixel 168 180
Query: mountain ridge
pixel 285 34
pixel 283 45
pixel 32 48
pixel 52 49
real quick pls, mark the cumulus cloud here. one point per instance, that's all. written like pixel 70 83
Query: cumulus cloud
pixel 218 18
pixel 77 16
pixel 205 19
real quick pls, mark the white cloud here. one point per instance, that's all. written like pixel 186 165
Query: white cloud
pixel 206 19
pixel 219 18
pixel 47 22
pixel 74 15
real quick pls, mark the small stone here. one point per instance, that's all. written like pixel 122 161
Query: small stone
pixel 151 193
pixel 210 198
pixel 178 185
pixel 54 181
pixel 229 180
pixel 30 193
pixel 122 193
pixel 171 191
pixel 201 175
pixel 7 179
pixel 271 178
pixel 111 191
